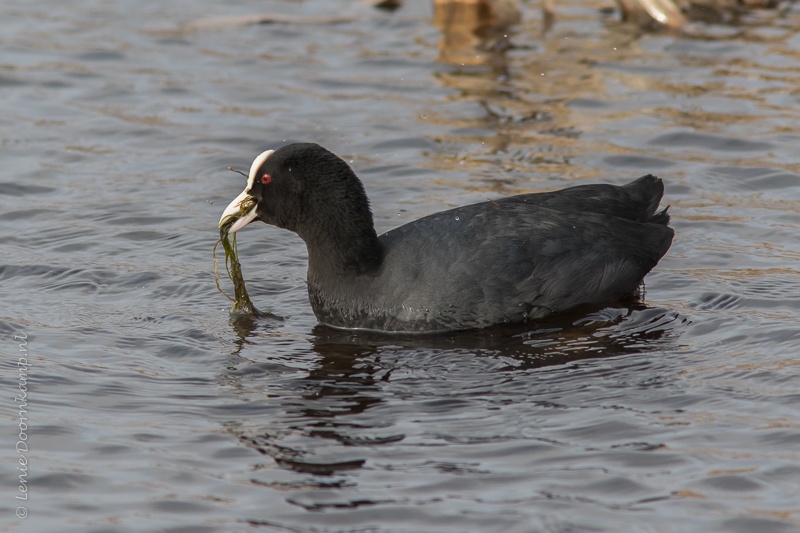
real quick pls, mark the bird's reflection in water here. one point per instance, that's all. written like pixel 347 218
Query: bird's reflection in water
pixel 584 332
pixel 329 406
pixel 244 326
pixel 317 406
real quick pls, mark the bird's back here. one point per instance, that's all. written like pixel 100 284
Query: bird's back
pixel 519 258
pixel 637 200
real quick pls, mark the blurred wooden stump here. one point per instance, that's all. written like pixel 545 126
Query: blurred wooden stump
pixel 674 14
pixel 652 14
pixel 476 13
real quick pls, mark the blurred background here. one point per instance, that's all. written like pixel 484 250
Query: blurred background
pixel 150 410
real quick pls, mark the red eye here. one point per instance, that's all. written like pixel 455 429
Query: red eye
pixel 265 179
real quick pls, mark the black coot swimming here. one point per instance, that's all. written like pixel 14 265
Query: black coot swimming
pixel 516 259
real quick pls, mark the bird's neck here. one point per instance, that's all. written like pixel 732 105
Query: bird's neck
pixel 342 249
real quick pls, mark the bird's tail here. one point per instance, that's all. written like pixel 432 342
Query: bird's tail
pixel 648 191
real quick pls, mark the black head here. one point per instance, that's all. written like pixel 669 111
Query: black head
pixel 303 185
pixel 305 188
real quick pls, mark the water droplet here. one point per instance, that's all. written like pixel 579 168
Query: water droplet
pixel 456 218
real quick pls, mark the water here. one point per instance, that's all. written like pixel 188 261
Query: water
pixel 150 411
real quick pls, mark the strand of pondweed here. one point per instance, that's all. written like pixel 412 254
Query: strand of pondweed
pixel 216 272
pixel 241 301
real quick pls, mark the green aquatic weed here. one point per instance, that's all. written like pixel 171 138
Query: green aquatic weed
pixel 241 303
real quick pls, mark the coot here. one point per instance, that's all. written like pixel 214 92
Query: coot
pixel 511 260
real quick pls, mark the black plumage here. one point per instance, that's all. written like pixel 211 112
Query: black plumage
pixel 511 260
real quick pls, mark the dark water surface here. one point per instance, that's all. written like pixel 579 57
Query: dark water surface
pixel 150 411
